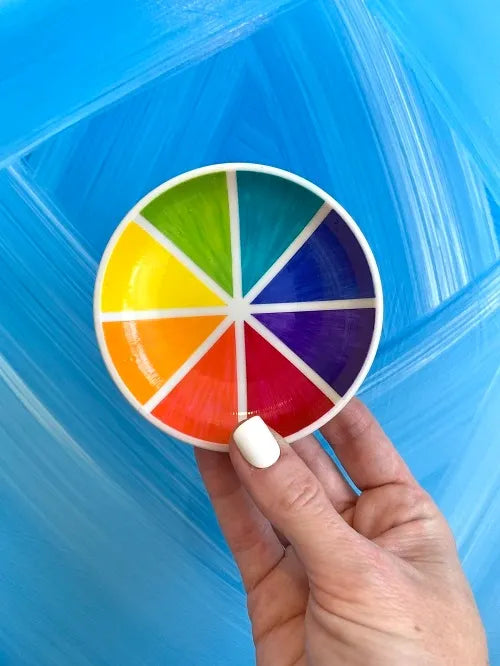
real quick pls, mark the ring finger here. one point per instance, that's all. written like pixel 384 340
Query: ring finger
pixel 339 492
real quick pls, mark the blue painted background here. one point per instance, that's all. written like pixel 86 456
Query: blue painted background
pixel 109 552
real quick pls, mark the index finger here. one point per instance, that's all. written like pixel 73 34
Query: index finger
pixel 250 537
pixel 363 448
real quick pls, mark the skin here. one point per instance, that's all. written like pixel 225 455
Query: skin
pixel 337 577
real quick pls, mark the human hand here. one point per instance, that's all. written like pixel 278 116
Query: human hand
pixel 334 577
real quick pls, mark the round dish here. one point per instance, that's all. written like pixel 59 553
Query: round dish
pixel 235 290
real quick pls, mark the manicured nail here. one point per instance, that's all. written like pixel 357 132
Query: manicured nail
pixel 257 443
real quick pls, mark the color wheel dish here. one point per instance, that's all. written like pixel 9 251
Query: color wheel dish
pixel 236 290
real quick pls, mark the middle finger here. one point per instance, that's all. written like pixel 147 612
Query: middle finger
pixel 339 492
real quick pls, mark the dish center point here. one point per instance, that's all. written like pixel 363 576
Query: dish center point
pixel 238 309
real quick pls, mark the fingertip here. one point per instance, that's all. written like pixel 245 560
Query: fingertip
pixel 256 443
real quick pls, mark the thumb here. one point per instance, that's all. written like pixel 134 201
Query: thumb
pixel 293 500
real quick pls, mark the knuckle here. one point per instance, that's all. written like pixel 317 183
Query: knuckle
pixel 300 495
pixel 422 502
pixel 412 502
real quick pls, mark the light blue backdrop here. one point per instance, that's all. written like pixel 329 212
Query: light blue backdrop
pixel 109 552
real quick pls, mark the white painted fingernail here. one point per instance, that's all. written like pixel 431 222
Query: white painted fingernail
pixel 257 443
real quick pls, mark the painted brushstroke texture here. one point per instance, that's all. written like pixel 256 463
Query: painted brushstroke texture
pixel 109 551
pixel 452 47
pixel 63 60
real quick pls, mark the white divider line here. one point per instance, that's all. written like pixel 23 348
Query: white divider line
pixel 292 249
pixel 196 356
pixel 180 256
pixel 234 221
pixel 170 313
pixel 301 365
pixel 313 306
pixel 241 369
